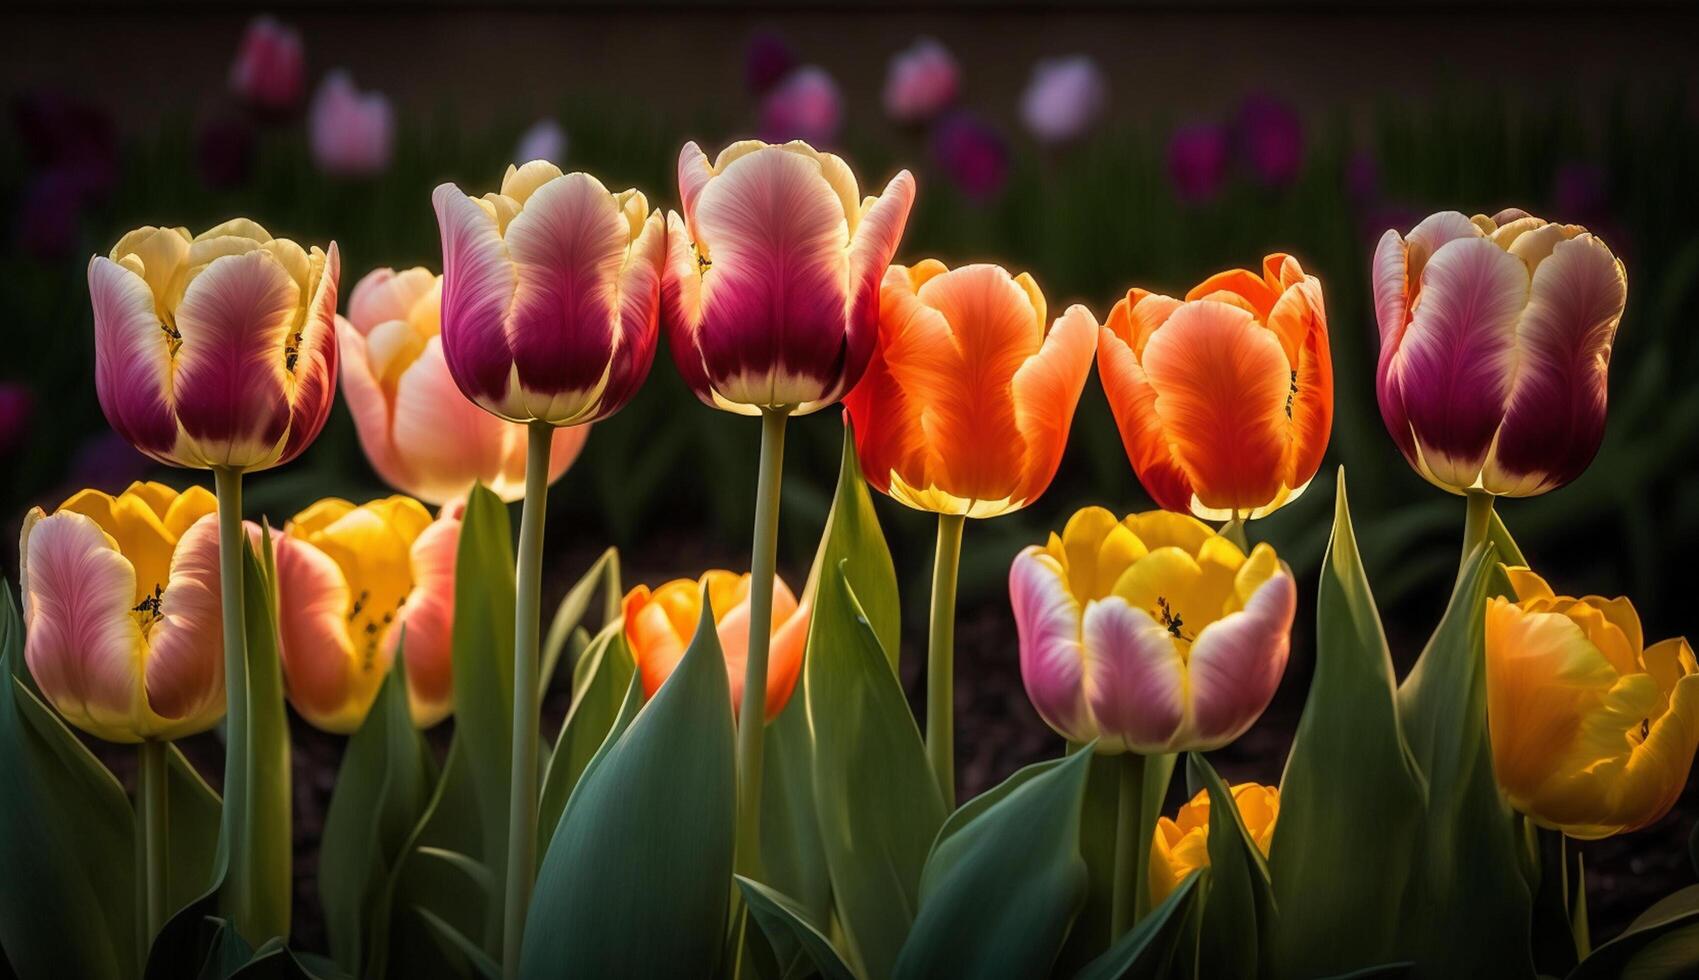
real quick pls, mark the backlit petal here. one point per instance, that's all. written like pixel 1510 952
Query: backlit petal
pixel 1237 662
pixel 132 364
pixel 478 287
pixel 185 662
pixel 1047 621
pixel 1135 677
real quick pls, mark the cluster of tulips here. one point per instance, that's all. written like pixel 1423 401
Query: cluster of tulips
pixel 739 787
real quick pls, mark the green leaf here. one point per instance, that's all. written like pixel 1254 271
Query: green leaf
pixel 636 880
pixel 793 857
pixel 1473 910
pixel 1000 891
pixel 572 609
pixel 787 924
pixel 1148 948
pixel 256 893
pixel 195 813
pixel 67 858
pixel 1559 885
pixel 1238 909
pixel 1351 797
pixel 455 941
pixel 1662 944
pixel 381 790
pixel 1099 817
pixel 609 669
pixel 878 806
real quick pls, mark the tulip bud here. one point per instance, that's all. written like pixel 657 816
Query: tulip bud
pixel 659 625
pixel 121 608
pixel 1150 634
pixel 1224 400
pixel 419 432
pixel 352 132
pixel 1495 344
pixel 1181 844
pixel 967 401
pixel 217 350
pixel 269 72
pixel 1592 733
pixel 772 275
pixel 550 294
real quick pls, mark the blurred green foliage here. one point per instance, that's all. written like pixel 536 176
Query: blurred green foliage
pixel 669 477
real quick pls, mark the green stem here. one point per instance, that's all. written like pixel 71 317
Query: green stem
pixel 1130 847
pixel 752 713
pixel 522 799
pixel 941 659
pixel 1234 531
pixel 1476 523
pixel 238 905
pixel 154 814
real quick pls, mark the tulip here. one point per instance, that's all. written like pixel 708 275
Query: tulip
pixel 352 132
pixel 1495 344
pixel 354 585
pixel 420 434
pixel 771 298
pixel 1271 138
pixel 1181 844
pixel 1224 400
pixel 964 411
pixel 804 106
pixel 972 153
pixel 544 140
pixel 1592 733
pixel 551 292
pixel 1197 161
pixel 1063 99
pixel 121 603
pixel 269 72
pixel 922 82
pixel 659 625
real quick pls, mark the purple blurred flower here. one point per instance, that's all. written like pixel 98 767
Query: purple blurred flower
pixel 269 73
pixel 922 82
pixel 68 136
pixel 1064 98
pixel 972 154
pixel 50 214
pixel 1580 192
pixel 107 459
pixel 1197 161
pixel 767 60
pixel 352 132
pixel 545 140
pixel 1362 177
pixel 17 408
pixel 1270 137
pixel 805 106
pixel 224 151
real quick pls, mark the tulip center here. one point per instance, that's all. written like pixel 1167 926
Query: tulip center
pixel 292 353
pixel 173 338
pixel 703 263
pixel 368 621
pixel 1291 394
pixel 1172 621
pixel 147 611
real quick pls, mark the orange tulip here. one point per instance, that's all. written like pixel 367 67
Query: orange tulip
pixel 659 625
pixel 966 403
pixel 1224 399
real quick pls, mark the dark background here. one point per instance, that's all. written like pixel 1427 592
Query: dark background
pixel 1583 113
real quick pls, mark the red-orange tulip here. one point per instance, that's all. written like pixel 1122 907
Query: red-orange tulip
pixel 967 400
pixel 1224 399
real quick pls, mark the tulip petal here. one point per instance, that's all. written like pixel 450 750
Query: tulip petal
pixel 314 645
pixel 1134 676
pixel 1237 662
pixel 314 368
pixel 1452 372
pixel 370 409
pixel 478 288
pixel 1300 318
pixel 871 248
pixel 425 626
pixel 1133 403
pixel 132 363
pixel 681 303
pixel 384 294
pixel 1046 390
pixel 1657 769
pixel 185 662
pixel 1047 620
pixel 1555 415
pixel 639 315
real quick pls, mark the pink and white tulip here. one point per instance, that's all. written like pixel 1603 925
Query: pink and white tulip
pixel 419 432
pixel 1064 98
pixel 121 608
pixel 771 294
pixel 269 73
pixel 1150 634
pixel 1495 345
pixel 805 105
pixel 352 133
pixel 215 351
pixel 551 294
pixel 922 82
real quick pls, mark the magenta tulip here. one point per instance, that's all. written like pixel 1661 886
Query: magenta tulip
pixel 922 82
pixel 805 105
pixel 269 73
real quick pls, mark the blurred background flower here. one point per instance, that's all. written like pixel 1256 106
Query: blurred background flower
pixel 269 73
pixel 17 408
pixel 1064 98
pixel 353 132
pixel 1270 139
pixel 545 139
pixel 972 154
pixel 922 82
pixel 766 60
pixel 1197 161
pixel 224 151
pixel 804 105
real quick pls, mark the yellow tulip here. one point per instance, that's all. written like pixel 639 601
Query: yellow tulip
pixel 1181 845
pixel 1592 733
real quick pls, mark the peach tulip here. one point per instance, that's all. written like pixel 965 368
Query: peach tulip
pixel 1592 732
pixel 1495 347
pixel 1224 399
pixel 1150 634
pixel 772 275
pixel 353 584
pixel 215 351
pixel 1181 843
pixel 659 625
pixel 419 432
pixel 121 609
pixel 550 294
pixel 968 397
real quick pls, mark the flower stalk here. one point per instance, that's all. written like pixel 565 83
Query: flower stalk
pixel 227 484
pixel 751 722
pixel 155 814
pixel 941 658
